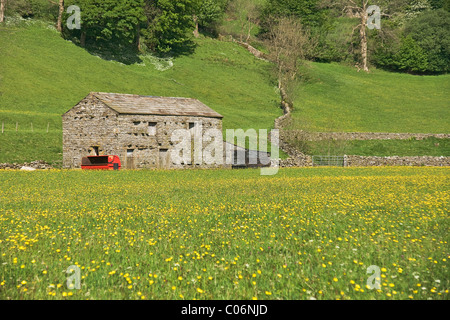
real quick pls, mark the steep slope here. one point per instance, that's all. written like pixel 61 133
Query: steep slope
pixel 42 76
pixel 338 98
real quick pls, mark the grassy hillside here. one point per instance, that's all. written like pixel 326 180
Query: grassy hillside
pixel 42 76
pixel 338 98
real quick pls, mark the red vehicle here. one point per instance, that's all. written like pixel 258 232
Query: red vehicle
pixel 100 163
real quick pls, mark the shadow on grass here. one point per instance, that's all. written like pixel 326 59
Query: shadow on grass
pixel 114 52
pixel 127 53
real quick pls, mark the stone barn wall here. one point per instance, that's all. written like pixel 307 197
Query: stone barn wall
pixel 136 133
pixel 90 123
pixel 141 141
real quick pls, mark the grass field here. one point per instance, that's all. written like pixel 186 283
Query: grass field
pixel 25 146
pixel 338 98
pixel 302 234
pixel 42 76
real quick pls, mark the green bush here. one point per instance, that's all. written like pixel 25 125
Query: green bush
pixel 41 9
pixel 411 57
pixel 424 46
pixel 333 41
pixel 309 11
pixel 430 31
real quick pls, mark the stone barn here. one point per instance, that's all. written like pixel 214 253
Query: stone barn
pixel 136 128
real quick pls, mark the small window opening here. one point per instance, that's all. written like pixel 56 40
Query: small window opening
pixel 152 128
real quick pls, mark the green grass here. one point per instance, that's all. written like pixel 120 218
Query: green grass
pixel 338 98
pixel 225 234
pixel 382 148
pixel 26 146
pixel 42 76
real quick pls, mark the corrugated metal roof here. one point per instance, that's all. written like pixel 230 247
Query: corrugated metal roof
pixel 149 105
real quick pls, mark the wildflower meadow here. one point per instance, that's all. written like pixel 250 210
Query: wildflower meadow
pixel 306 233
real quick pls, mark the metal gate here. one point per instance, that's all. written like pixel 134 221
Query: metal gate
pixel 332 161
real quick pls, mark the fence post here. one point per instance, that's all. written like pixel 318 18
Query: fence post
pixel 3 126
pixel 48 125
pixel 32 127
pixel 17 126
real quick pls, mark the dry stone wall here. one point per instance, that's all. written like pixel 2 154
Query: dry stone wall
pixel 298 159
pixel 317 136
pixel 38 164
pixel 89 124
pixel 364 161
pixel 361 161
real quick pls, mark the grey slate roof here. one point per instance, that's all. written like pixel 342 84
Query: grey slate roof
pixel 149 105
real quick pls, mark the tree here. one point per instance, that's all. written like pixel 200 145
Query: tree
pixel 424 46
pixel 357 9
pixel 60 14
pixel 288 43
pixel 440 4
pixel 411 57
pixel 361 12
pixel 208 13
pixel 2 10
pixel 430 31
pixel 247 13
pixel 171 25
pixel 110 22
pixel 309 11
pixel 416 8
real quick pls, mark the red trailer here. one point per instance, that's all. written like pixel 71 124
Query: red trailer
pixel 101 163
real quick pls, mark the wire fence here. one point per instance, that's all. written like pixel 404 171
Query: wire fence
pixel 28 127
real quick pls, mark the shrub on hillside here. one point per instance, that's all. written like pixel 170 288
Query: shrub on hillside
pixel 430 31
pixel 411 57
pixel 41 9
pixel 424 46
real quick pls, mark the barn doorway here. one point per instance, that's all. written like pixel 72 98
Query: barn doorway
pixel 163 158
pixel 94 151
pixel 130 159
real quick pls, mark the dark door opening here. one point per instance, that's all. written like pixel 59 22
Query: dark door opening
pixel 95 150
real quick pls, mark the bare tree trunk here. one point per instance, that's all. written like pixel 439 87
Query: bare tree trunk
pixel 241 34
pixel 196 34
pixel 361 12
pixel 363 35
pixel 287 44
pixel 83 39
pixel 2 10
pixel 61 11
pixel 249 32
pixel 138 38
